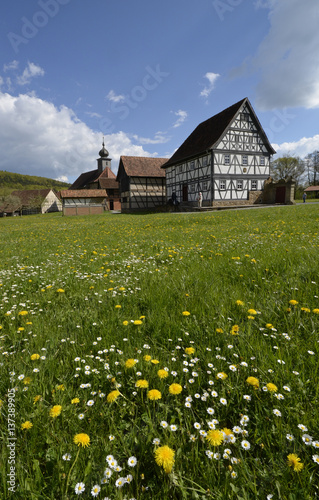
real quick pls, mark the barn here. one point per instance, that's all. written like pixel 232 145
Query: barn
pixel 226 158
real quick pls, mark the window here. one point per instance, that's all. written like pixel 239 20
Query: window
pixel 205 185
pixel 245 160
pixel 253 184
pixel 192 165
pixel 205 161
pixel 226 159
pixel 239 184
pixel 244 117
pixel 191 188
pixel 236 138
pixel 222 184
pixel 262 161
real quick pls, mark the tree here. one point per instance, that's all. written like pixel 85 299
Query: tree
pixel 287 166
pixel 312 168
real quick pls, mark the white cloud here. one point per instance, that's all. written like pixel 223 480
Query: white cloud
pixel 31 71
pixel 111 96
pixel 159 138
pixel 288 57
pixel 298 148
pixel 211 77
pixel 182 115
pixel 37 138
pixel 10 66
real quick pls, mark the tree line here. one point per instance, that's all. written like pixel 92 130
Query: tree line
pixel 304 171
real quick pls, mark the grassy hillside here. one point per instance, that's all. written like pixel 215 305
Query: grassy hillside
pixel 10 181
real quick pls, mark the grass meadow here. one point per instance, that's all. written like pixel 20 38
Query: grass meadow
pixel 160 356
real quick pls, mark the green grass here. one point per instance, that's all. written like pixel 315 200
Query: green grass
pixel 87 294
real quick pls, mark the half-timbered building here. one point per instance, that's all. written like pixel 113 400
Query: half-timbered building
pixel 226 158
pixel 142 183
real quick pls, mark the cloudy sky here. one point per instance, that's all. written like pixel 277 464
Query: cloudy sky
pixel 144 74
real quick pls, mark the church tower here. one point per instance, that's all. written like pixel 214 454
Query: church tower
pixel 104 160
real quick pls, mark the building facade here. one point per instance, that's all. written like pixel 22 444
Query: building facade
pixel 142 183
pixel 226 158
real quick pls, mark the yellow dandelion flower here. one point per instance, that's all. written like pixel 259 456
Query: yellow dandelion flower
pixel 162 373
pixel 253 381
pixel 215 437
pixel 141 384
pixel 22 313
pixel 36 399
pixel 33 357
pixel 315 311
pixel 269 325
pixel 75 401
pixel 294 461
pixel 164 457
pixel 82 440
pixel 293 302
pixel 154 361
pixel 138 322
pixel 118 306
pixel 186 313
pixel 60 387
pixel 234 330
pixel 147 357
pixel 305 309
pixel 125 323
pixel 272 387
pixel 175 388
pixel 189 350
pixel 112 396
pixel 27 380
pixel 26 425
pixel 250 317
pixel 60 290
pixel 252 312
pixel 20 329
pixel 154 394
pixel 130 363
pixel 55 411
pixel 219 330
pixel 239 303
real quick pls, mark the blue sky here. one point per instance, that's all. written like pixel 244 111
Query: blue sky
pixel 146 73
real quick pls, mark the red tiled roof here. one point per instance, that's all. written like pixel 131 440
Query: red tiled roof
pixel 209 132
pixel 108 183
pixel 92 176
pixel 142 166
pixel 312 188
pixel 83 193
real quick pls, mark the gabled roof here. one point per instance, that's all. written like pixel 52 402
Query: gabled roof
pixel 92 176
pixel 83 193
pixel 208 133
pixel 142 166
pixel 312 188
pixel 28 195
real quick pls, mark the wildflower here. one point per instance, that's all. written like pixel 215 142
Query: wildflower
pixel 303 427
pixel 175 389
pixel 112 396
pixel 234 330
pixel 197 425
pixel 120 482
pixel 253 381
pixel 221 375
pixel 293 302
pixel 95 490
pixel 162 373
pixel 173 428
pixel 22 313
pixel 141 384
pixel 60 290
pixel 36 399
pixel 154 361
pixel 132 461
pixel 74 401
pixel 26 425
pixel 185 313
pixel 315 311
pixel 154 394
pixel 33 357
pixel 81 416
pixel 156 441
pixel 66 457
pixel 130 363
pixel 233 474
pixel 147 357
pixel 60 387
pixel 223 401
pixel 82 440
pixel 252 312
pixel 307 439
pixel 79 488
pixel 315 458
pixel 189 350
pixel 245 444
pixel 271 387
pixel 164 457
pixel 294 461
pixel 90 403
pixel 164 424
pixel 210 411
pixel 219 330
pixel 289 437
pixel 239 303
pixel 276 412
pixel 138 322
pixel 215 437
pixel 55 411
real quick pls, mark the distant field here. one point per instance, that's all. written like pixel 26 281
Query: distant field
pixel 160 356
